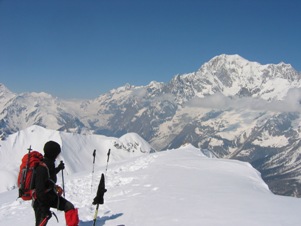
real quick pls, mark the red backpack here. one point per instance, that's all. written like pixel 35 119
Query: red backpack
pixel 27 172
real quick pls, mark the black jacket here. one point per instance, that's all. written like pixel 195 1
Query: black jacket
pixel 45 180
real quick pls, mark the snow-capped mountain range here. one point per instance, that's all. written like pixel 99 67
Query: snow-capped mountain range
pixel 230 106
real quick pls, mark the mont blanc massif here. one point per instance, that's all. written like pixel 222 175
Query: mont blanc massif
pixel 231 108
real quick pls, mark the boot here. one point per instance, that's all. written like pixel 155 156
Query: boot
pixel 71 217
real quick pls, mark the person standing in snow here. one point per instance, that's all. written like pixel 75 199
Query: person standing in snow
pixel 47 193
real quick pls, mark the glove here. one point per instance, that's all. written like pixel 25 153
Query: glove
pixel 58 190
pixel 61 166
pixel 100 191
pixel 99 198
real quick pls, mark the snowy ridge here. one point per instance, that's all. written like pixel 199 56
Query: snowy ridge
pixel 76 150
pixel 174 187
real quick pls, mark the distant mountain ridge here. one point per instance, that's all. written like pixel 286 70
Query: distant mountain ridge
pixel 230 106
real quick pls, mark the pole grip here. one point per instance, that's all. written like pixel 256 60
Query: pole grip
pixel 94 154
pixel 63 180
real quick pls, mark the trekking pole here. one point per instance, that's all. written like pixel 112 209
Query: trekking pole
pixel 100 191
pixel 95 215
pixel 63 181
pixel 108 157
pixel 94 154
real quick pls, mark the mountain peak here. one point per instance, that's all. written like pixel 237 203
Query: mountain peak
pixel 225 60
pixel 4 90
pixel 5 95
pixel 229 57
pixel 235 60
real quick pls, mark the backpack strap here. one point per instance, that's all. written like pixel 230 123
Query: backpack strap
pixel 44 164
pixel 34 195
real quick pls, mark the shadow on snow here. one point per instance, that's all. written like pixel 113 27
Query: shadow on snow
pixel 100 221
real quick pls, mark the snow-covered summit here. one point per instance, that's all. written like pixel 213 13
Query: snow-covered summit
pixel 236 61
pixel 225 60
pixel 4 90
pixel 5 95
pixel 233 75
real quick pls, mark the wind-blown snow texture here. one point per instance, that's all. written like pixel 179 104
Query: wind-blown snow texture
pixel 174 187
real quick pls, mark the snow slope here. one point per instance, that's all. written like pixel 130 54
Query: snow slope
pixel 76 150
pixel 174 187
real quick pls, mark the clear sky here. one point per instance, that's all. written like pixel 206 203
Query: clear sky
pixel 83 48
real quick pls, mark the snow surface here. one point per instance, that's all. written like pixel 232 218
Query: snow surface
pixel 76 150
pixel 174 187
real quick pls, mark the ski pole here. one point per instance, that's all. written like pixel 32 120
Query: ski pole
pixel 100 191
pixel 99 196
pixel 63 181
pixel 94 155
pixel 95 215
pixel 108 157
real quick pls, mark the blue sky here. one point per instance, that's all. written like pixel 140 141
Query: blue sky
pixel 83 48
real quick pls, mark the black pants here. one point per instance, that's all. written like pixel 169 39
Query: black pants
pixel 42 210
